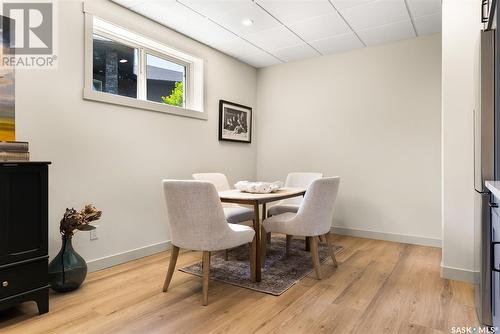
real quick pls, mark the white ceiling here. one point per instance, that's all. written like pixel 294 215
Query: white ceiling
pixel 287 30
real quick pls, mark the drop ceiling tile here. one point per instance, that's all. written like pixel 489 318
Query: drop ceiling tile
pixel 273 39
pixel 169 13
pixel 292 11
pixel 424 7
pixel 387 33
pixel 342 4
pixel 213 8
pixel 128 3
pixel 296 52
pixel 321 27
pixel 232 20
pixel 206 31
pixel 375 13
pixel 237 47
pixel 176 16
pixel 429 24
pixel 260 59
pixel 337 44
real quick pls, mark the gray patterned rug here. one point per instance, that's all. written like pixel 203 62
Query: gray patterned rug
pixel 279 273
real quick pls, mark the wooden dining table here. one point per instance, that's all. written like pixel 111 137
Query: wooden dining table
pixel 255 200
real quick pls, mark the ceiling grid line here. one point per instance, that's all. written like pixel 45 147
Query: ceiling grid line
pixel 347 23
pixel 221 26
pixel 284 25
pixel 269 32
pixel 206 17
pixel 411 17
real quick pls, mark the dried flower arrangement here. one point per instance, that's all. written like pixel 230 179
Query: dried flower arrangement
pixel 79 220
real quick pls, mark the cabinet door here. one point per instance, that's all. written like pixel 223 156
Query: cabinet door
pixel 23 212
pixel 495 275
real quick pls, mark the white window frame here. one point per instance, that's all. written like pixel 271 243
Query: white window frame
pixel 194 99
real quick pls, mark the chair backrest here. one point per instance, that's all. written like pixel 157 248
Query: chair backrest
pixel 299 180
pixel 219 180
pixel 195 215
pixel 317 208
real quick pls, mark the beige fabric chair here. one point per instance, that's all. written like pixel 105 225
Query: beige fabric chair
pixel 313 219
pixel 234 213
pixel 197 222
pixel 293 180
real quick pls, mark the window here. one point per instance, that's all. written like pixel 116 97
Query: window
pixel 126 68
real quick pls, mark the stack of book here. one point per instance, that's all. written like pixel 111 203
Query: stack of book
pixel 14 151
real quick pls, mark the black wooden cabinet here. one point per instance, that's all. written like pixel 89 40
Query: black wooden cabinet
pixel 24 234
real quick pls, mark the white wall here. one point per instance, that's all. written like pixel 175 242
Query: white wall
pixel 461 27
pixel 371 116
pixel 116 157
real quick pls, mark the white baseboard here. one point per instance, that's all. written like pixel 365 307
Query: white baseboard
pixel 458 274
pixel 403 238
pixel 134 254
pixel 115 259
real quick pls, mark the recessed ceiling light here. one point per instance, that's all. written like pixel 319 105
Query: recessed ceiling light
pixel 247 22
pixel 123 61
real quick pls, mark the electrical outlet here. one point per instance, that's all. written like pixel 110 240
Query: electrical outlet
pixel 93 233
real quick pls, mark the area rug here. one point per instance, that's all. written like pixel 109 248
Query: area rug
pixel 279 273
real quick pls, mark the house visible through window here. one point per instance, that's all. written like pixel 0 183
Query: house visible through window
pixel 115 67
pixel 165 81
pixel 132 70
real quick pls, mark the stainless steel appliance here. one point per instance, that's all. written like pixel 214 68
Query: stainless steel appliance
pixel 486 167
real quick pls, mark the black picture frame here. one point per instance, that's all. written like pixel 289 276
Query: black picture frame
pixel 235 122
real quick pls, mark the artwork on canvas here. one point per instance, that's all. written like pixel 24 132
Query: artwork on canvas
pixel 7 100
pixel 235 122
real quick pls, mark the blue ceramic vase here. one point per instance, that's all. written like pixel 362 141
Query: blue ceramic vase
pixel 68 269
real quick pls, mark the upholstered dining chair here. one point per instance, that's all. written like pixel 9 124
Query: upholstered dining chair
pixel 197 222
pixel 235 213
pixel 293 180
pixel 313 219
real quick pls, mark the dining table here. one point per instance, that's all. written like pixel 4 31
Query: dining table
pixel 255 200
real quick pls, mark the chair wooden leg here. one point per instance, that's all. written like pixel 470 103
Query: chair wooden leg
pixel 171 267
pixel 313 241
pixel 226 254
pixel 253 252
pixel 322 238
pixel 288 243
pixel 331 248
pixel 206 272
pixel 263 246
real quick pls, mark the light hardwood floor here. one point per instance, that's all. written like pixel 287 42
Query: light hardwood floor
pixel 378 287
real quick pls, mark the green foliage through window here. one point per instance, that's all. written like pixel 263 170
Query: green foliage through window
pixel 176 97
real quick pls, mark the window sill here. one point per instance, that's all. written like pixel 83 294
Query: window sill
pixel 89 94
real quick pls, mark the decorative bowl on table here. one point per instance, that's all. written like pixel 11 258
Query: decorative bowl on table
pixel 258 187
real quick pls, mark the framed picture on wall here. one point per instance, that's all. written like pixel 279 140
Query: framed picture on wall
pixel 235 122
pixel 7 84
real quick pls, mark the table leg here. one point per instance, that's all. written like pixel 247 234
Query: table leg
pixel 268 235
pixel 256 227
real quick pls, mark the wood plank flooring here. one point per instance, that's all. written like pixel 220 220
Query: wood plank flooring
pixel 378 287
